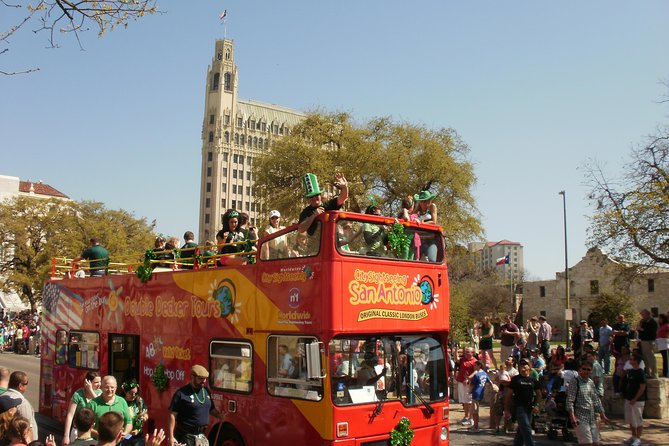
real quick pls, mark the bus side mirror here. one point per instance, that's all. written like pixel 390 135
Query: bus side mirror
pixel 313 352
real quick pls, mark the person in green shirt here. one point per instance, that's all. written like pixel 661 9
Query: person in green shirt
pixel 98 257
pixel 81 398
pixel 188 250
pixel 108 401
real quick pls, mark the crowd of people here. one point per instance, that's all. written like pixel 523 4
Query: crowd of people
pixel 20 333
pixel 98 414
pixel 235 241
pixel 533 380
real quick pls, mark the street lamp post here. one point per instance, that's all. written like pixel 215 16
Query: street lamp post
pixel 568 312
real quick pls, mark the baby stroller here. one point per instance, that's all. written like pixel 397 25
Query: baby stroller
pixel 558 420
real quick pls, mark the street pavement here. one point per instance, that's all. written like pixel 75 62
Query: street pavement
pixel 656 432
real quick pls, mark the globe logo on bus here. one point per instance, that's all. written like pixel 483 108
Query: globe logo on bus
pixel 426 287
pixel 225 295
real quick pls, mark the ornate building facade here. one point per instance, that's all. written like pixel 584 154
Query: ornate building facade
pixel 234 132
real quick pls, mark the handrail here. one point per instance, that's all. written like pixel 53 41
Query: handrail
pixel 66 267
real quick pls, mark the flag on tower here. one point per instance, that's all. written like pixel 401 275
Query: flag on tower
pixel 503 260
pixel 223 15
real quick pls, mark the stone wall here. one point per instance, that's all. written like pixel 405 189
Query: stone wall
pixel 657 399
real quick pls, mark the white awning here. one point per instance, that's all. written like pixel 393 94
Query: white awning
pixel 12 302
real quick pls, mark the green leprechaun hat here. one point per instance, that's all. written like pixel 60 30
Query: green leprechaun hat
pixel 310 183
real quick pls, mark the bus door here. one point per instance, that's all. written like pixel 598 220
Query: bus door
pixel 124 358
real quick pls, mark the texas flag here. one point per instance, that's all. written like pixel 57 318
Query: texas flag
pixel 223 15
pixel 503 260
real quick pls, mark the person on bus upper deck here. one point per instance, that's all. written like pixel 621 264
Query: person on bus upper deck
pixel 277 248
pixel 316 205
pixel 190 408
pixel 426 210
pixel 188 250
pixel 375 235
pixel 98 257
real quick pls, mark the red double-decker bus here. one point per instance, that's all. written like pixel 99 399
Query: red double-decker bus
pixel 324 337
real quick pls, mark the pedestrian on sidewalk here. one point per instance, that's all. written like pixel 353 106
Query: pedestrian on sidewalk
pixel 582 404
pixel 524 391
pixel 465 369
pixel 477 382
pixel 635 399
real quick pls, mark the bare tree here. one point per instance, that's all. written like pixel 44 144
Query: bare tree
pixel 70 17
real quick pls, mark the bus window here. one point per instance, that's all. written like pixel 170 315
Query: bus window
pixel 292 244
pixel 357 238
pixel 231 365
pixel 287 368
pixel 61 347
pixel 83 350
pixel 409 368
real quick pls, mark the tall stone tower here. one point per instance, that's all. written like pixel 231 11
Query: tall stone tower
pixel 234 132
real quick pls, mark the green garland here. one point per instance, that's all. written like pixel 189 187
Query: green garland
pixel 144 271
pixel 398 240
pixel 402 434
pixel 159 378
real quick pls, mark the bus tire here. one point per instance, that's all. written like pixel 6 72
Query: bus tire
pixel 228 436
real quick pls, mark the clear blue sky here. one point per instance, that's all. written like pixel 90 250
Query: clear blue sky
pixel 536 89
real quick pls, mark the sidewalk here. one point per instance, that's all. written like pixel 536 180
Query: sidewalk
pixel 655 432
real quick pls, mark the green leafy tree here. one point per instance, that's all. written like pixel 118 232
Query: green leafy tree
pixel 382 160
pixel 609 305
pixel 34 231
pixel 55 17
pixel 631 216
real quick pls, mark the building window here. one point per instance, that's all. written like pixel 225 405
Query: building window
pixel 227 84
pixel 208 187
pixel 594 287
pixel 260 142
pixel 225 156
pixel 252 123
pixel 255 141
pixel 651 285
pixel 248 160
pixel 227 137
pixel 248 176
pixel 239 204
pixel 234 173
pixel 248 190
pixel 542 291
pixel 242 140
pixel 211 136
pixel 223 203
pixel 210 156
pixel 241 158
pixel 263 126
pixel 236 138
pixel 253 207
pixel 227 54
pixel 240 121
pixel 225 172
pixel 227 119
pixel 206 219
pixel 212 119
pixel 215 82
pixel 234 188
pixel 232 204
pixel 248 206
pixel 208 171
pixel 235 158
pixel 207 202
pixel 224 187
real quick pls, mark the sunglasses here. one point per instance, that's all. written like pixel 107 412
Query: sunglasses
pixel 586 369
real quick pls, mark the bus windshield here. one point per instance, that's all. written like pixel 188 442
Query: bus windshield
pixel 364 238
pixel 366 369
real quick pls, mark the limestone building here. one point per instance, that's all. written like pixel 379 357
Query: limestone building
pixel 594 274
pixel 234 132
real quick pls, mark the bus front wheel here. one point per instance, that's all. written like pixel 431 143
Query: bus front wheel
pixel 229 436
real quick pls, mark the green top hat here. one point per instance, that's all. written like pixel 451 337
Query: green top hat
pixel 310 183
pixel 424 195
